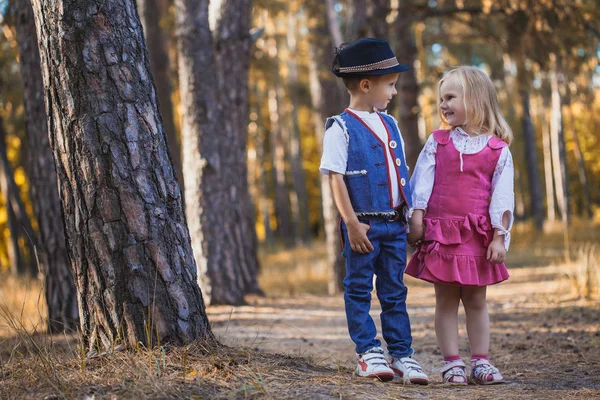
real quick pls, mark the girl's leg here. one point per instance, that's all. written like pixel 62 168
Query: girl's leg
pixel 478 320
pixel 447 299
pixel 478 329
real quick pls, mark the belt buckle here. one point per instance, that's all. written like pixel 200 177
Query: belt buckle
pixel 396 216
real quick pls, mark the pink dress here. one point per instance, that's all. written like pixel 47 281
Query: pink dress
pixel 457 221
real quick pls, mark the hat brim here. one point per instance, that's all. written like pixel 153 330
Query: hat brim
pixel 386 71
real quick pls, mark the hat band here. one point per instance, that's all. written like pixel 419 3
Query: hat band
pixel 389 63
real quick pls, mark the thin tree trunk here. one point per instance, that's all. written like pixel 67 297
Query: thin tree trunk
pixel 126 232
pixel 545 118
pixel 557 142
pixel 535 187
pixel 327 100
pixel 263 191
pixel 377 17
pixel 586 209
pixel 151 14
pixel 59 286
pixel 332 22
pixel 17 267
pixel 407 99
pixel 15 260
pixel 299 177
pixel 19 223
pixel 282 205
pixel 356 17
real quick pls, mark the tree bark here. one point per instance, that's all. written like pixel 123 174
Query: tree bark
pixel 213 78
pixel 150 14
pixel 126 232
pixel 59 287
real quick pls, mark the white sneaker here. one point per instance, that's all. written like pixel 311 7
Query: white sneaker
pixel 409 370
pixel 372 364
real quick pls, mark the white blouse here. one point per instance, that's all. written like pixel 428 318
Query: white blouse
pixel 503 198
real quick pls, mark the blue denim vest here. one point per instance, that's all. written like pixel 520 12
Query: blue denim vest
pixel 367 177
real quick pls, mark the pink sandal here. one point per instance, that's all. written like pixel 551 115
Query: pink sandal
pixel 485 373
pixel 453 373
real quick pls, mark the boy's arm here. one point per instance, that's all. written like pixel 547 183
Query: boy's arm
pixel 357 231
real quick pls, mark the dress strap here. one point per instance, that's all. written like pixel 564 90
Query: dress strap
pixel 441 136
pixel 496 143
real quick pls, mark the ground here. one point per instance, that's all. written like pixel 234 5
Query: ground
pixel 544 340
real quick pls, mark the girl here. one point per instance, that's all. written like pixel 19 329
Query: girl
pixel 463 210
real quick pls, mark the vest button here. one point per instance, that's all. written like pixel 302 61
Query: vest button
pixel 398 162
pixel 393 144
pixel 403 182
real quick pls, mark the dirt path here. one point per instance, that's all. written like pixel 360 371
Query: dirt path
pixel 546 343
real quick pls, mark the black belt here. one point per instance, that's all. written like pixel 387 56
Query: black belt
pixel 398 214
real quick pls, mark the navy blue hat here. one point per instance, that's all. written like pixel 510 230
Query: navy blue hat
pixel 366 56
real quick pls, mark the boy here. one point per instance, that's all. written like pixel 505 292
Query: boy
pixel 363 156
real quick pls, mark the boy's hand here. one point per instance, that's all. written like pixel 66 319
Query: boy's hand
pixel 496 252
pixel 357 235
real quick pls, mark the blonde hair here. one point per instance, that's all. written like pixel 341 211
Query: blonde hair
pixel 482 110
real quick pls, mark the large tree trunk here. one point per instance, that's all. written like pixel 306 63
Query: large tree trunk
pixel 126 232
pixel 327 100
pixel 535 187
pixel 61 295
pixel 214 141
pixel 150 14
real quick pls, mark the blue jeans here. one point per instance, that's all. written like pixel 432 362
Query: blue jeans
pixel 387 261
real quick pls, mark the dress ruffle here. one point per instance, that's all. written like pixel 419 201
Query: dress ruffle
pixel 454 253
pixel 455 231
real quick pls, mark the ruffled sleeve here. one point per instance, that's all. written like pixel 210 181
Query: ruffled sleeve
pixel 423 176
pixel 503 196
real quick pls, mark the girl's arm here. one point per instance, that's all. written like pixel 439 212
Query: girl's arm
pixel 421 181
pixel 421 184
pixel 502 204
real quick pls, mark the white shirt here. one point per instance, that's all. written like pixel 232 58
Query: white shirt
pixel 335 149
pixel 503 197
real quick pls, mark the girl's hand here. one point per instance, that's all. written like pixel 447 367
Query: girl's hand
pixel 415 236
pixel 496 252
pixel 416 229
pixel 357 235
